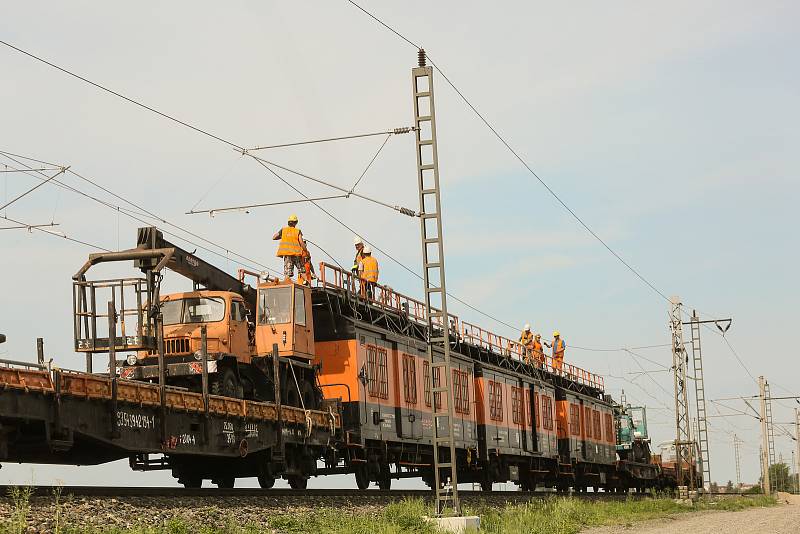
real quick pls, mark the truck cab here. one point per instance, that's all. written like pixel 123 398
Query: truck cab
pixel 284 318
pixel 228 334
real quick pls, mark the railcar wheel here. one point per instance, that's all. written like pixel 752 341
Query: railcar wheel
pixel 486 485
pixel 266 481
pixel 384 481
pixel 362 478
pixel 192 481
pixel 297 482
pixel 225 482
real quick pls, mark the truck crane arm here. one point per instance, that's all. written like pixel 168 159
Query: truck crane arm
pixel 195 269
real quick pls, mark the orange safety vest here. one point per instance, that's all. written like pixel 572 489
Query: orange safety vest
pixel 370 269
pixel 290 242
pixel 558 349
pixel 526 338
pixel 538 353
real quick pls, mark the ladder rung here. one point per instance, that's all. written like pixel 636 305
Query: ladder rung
pixel 423 118
pixel 429 215
pixel 425 142
pixel 440 390
pixel 447 465
pixel 426 167
pixel 429 191
pixel 423 93
pixel 432 240
pixel 432 265
pixel 437 339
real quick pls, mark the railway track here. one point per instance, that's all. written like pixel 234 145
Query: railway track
pixel 290 494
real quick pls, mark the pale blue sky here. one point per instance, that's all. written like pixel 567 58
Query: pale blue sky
pixel 671 130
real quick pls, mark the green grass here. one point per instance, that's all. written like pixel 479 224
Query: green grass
pixel 557 515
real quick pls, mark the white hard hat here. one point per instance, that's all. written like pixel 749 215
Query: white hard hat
pixel 527 327
pixel 357 241
pixel 367 250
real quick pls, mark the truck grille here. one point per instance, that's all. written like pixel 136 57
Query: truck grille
pixel 175 346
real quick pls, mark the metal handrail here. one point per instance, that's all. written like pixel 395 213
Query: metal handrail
pixel 331 276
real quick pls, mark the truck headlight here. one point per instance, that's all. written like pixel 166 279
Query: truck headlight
pixel 131 359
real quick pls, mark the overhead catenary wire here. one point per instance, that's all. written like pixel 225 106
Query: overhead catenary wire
pixel 393 131
pixel 137 216
pixel 214 211
pixel 243 150
pixel 32 189
pixel 43 229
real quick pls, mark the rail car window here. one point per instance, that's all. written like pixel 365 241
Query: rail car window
pixel 609 428
pixel 426 377
pixel 596 420
pixel 377 377
pixel 461 391
pixel 537 409
pixel 587 421
pixel 409 379
pixel 547 413
pixel 193 310
pixel 275 305
pixel 299 307
pixel 495 400
pixel 574 419
pixel 516 405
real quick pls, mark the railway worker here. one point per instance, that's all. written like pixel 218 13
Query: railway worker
pixel 526 340
pixel 291 247
pixel 307 274
pixel 359 244
pixel 538 352
pixel 368 272
pixel 559 347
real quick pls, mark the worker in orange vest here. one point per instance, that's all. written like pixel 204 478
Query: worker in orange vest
pixel 368 272
pixel 307 274
pixel 538 352
pixel 291 247
pixel 559 347
pixel 359 244
pixel 526 340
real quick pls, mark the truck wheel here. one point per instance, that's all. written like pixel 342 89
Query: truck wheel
pixel 297 482
pixel 226 384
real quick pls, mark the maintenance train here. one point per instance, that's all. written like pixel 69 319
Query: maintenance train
pixel 289 380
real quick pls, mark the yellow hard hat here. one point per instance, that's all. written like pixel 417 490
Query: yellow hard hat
pixel 292 218
pixel 556 333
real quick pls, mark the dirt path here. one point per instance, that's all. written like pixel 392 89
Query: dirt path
pixel 782 519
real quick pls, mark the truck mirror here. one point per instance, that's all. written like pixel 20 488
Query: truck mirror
pixel 2 338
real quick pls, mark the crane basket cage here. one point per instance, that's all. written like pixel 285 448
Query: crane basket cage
pixel 129 298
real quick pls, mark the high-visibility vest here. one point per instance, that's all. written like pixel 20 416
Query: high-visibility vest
pixel 526 338
pixel 558 349
pixel 370 269
pixel 537 347
pixel 290 242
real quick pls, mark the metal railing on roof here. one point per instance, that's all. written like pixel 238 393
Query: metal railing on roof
pixel 387 298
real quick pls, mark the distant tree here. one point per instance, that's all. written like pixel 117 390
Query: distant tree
pixel 713 487
pixel 729 487
pixel 779 477
pixel 754 489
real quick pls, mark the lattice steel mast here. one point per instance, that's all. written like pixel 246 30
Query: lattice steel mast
pixel 684 447
pixel 444 455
